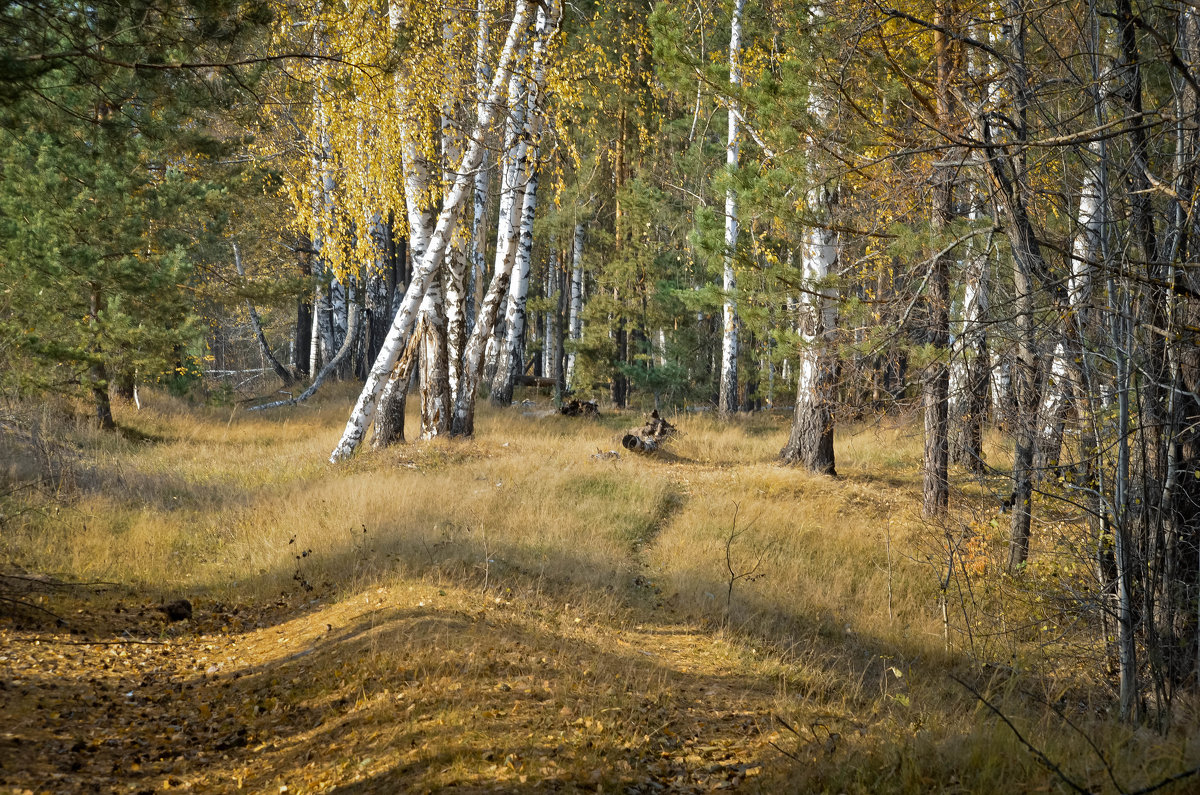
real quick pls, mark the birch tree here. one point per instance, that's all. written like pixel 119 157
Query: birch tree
pixel 364 408
pixel 728 401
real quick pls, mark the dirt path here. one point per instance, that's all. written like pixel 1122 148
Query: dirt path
pixel 408 688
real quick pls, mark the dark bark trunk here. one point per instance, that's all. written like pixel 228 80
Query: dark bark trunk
pixel 97 372
pixel 936 383
pixel 303 336
pixel 811 441
pixel 389 422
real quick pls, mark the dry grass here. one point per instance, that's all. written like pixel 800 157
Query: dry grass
pixel 516 613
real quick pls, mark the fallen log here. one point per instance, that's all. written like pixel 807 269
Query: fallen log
pixel 640 444
pixel 651 437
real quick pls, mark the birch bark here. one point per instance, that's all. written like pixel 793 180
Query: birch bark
pixel 810 443
pixel 728 400
pixel 575 309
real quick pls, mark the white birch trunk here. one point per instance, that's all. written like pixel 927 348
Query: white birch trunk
pixel 970 363
pixel 550 320
pixel 364 409
pixel 575 309
pixel 1056 399
pixel 506 248
pixel 478 262
pixel 810 443
pixel 727 403
pixel 511 361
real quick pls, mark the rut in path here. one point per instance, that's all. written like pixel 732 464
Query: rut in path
pixel 671 503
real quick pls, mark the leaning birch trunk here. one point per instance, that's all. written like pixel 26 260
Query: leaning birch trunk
pixel 397 338
pixel 334 363
pixel 728 397
pixel 575 311
pixel 256 326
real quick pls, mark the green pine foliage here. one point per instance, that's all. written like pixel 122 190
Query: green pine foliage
pixel 110 196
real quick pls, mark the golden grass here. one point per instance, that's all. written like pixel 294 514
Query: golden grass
pixel 514 612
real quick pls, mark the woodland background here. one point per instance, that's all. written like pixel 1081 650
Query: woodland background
pixel 974 220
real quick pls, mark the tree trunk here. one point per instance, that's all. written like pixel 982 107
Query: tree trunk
pixel 478 255
pixel 936 381
pixel 728 400
pixel 971 363
pixel 342 354
pixel 389 425
pixel 811 441
pixel 510 363
pixel 463 422
pixel 575 309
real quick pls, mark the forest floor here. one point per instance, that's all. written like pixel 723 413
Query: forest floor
pixel 520 613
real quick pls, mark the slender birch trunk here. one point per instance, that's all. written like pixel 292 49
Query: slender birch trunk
pixel 728 400
pixel 256 326
pixel 511 360
pixel 1065 377
pixel 971 362
pixel 364 409
pixel 575 309
pixel 478 261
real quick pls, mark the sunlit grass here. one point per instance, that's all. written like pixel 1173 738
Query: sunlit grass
pixel 523 604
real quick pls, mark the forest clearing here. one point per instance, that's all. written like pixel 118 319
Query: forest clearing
pixel 633 396
pixel 517 613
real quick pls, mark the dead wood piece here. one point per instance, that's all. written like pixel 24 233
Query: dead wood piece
pixel 650 437
pixel 580 408
pixel 179 610
pixel 639 444
pixel 656 428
